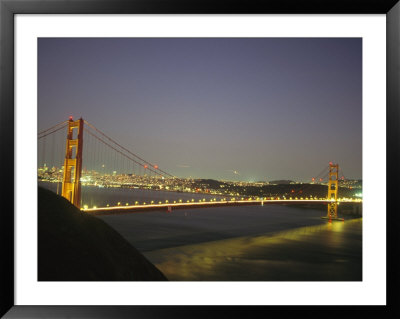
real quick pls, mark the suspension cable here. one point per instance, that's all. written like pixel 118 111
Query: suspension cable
pixel 39 137
pixel 110 139
pixel 50 128
pixel 308 186
pixel 118 151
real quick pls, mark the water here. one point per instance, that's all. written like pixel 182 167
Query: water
pixel 158 230
pixel 253 243
pixel 244 243
pixel 314 253
pixel 100 197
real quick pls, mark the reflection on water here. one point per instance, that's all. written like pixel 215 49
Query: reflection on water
pixel 157 230
pixel 327 252
pixel 254 243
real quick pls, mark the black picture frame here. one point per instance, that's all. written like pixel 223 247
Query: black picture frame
pixel 8 8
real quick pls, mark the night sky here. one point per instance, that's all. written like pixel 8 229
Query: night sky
pixel 248 109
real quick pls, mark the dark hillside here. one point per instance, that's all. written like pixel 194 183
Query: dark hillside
pixel 73 246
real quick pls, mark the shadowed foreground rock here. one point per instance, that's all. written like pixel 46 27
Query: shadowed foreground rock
pixel 73 246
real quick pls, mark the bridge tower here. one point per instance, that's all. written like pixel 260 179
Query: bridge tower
pixel 71 184
pixel 333 190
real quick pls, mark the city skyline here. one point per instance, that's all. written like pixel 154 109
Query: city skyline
pixel 228 109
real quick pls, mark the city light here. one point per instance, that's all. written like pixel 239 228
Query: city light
pixel 233 192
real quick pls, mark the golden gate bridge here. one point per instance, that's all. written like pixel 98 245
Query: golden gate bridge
pixel 74 172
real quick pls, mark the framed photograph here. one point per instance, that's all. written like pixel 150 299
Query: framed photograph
pixel 198 155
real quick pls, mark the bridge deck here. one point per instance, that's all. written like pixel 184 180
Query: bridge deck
pixel 191 205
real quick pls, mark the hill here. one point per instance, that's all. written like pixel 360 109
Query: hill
pixel 74 246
